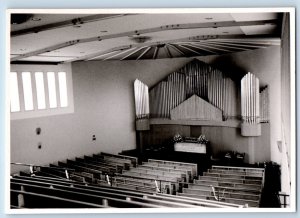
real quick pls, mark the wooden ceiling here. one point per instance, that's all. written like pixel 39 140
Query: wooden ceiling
pixel 61 38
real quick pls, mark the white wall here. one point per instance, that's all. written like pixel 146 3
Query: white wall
pixel 103 106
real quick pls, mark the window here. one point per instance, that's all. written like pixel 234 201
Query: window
pixel 40 92
pixel 27 91
pixel 63 94
pixel 52 89
pixel 14 93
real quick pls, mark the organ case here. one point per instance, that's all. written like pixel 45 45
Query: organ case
pixel 215 96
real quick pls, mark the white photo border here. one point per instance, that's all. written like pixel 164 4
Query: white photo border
pixel 290 10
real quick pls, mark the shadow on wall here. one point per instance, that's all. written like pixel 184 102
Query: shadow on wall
pixel 230 66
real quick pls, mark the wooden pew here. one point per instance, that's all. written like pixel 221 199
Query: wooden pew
pixel 36 200
pixel 151 176
pixel 238 195
pixel 139 199
pixel 229 186
pixel 195 201
pixel 45 181
pixel 178 164
pixel 244 173
pixel 84 197
pixel 232 176
pixel 224 179
pixel 159 173
pixel 102 162
pixel 164 186
pixel 188 173
pixel 239 169
pixel 71 164
pixel 105 169
pixel 229 189
pixel 108 195
pixel 135 187
pixel 168 166
pixel 53 171
pixel 133 160
pixel 163 202
pixel 241 202
pixel 125 163
pixel 50 175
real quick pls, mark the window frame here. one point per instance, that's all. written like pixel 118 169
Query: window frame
pixel 23 114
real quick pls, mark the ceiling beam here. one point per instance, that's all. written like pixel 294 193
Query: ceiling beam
pixel 198 47
pixel 227 46
pixel 139 45
pixel 103 54
pixel 213 47
pixel 155 52
pixel 250 42
pixel 192 50
pixel 144 52
pixel 237 44
pixel 131 53
pixel 66 23
pixel 168 52
pixel 122 52
pixel 150 30
pixel 168 42
pixel 177 49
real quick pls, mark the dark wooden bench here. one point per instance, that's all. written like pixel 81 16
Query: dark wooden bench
pixel 133 160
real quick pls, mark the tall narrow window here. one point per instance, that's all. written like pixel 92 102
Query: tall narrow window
pixel 52 90
pixel 63 94
pixel 40 90
pixel 27 90
pixel 14 92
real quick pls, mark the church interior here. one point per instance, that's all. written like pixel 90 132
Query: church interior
pixel 151 110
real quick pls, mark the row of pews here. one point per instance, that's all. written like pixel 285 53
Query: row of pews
pixel 163 176
pixel 117 181
pixel 238 185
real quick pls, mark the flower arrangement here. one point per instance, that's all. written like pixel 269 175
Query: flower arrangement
pixel 202 140
pixel 177 138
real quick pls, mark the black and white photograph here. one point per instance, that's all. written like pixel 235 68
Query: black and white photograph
pixel 151 110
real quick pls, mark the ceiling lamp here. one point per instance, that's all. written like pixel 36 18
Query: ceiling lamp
pixel 140 39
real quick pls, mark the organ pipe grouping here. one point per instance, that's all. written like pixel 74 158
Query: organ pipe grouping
pixel 250 99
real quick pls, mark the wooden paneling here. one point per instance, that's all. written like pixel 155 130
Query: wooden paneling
pixel 160 134
pixel 196 108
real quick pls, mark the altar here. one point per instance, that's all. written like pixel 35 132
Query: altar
pixel 190 147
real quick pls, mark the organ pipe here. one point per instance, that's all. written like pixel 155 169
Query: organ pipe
pixel 264 105
pixel 141 95
pixel 198 78
pixel 250 99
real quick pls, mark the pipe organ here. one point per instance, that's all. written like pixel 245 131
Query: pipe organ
pixel 264 105
pixel 250 105
pixel 141 97
pixel 167 95
pixel 214 90
pixel 195 78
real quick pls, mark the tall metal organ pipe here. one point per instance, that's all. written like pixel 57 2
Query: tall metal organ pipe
pixel 250 99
